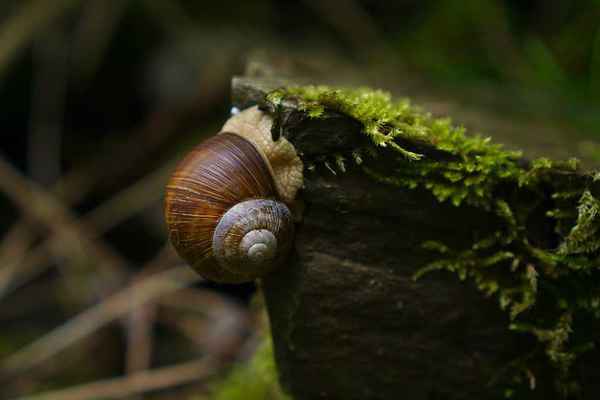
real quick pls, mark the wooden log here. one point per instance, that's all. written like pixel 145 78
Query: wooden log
pixel 348 319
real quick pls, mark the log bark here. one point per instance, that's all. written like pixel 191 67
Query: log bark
pixel 348 319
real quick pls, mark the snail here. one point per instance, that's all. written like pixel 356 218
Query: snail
pixel 228 203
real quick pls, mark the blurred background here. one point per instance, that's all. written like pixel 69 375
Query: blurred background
pixel 99 99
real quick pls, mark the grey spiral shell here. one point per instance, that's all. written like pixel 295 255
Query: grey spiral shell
pixel 253 237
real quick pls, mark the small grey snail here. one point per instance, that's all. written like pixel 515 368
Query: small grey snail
pixel 227 205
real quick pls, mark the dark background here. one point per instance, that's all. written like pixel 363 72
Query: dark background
pixel 99 98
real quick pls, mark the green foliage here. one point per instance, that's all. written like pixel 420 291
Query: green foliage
pixel 546 288
pixel 477 164
pixel 382 119
pixel 255 380
pixel 519 274
pixel 584 237
pixel 488 42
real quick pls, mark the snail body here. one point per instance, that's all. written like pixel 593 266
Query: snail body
pixel 227 205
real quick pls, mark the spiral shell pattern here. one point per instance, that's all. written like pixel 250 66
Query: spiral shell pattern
pixel 252 237
pixel 223 214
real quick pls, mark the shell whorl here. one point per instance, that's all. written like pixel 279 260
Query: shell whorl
pixel 254 235
pixel 220 203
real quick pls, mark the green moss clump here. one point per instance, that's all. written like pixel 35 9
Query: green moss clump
pixel 475 167
pixel 584 237
pixel 547 287
pixel 255 380
pixel 382 120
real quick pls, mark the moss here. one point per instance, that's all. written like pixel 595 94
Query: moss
pixel 477 164
pixel 547 286
pixel 382 119
pixel 584 238
pixel 255 380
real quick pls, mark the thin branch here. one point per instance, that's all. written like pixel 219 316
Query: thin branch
pixel 13 249
pixel 21 268
pixel 115 306
pixel 140 339
pixel 146 192
pixel 141 382
pixel 32 18
pixel 42 207
pixel 50 54
pixel 112 163
pixel 131 200
pixel 97 26
pixel 222 326
pixel 75 185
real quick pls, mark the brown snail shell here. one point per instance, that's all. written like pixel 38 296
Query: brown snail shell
pixel 223 211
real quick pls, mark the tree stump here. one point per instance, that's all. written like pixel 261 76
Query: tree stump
pixel 348 319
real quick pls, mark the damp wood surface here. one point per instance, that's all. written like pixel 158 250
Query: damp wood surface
pixel 348 319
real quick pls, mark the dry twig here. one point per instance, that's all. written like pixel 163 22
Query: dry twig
pixel 97 26
pixel 113 307
pixel 140 339
pixel 40 206
pixel 21 28
pixel 138 383
pixel 12 251
pixel 21 267
pixel 222 327
pixel 48 98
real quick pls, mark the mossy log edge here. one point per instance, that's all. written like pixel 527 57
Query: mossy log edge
pixel 349 321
